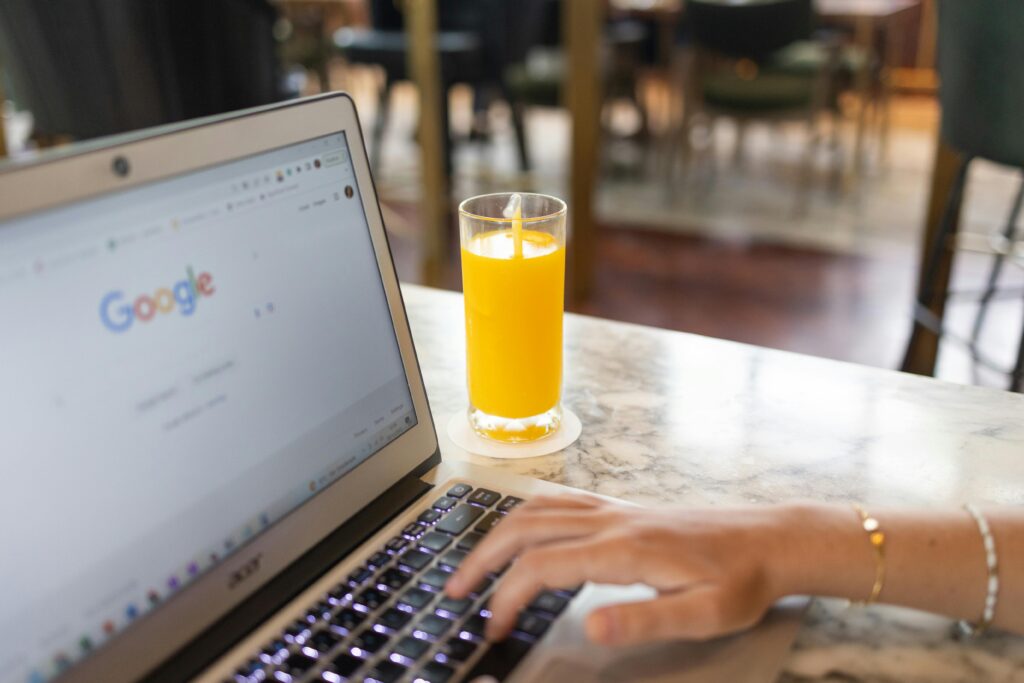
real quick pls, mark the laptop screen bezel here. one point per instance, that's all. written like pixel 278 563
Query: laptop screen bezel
pixel 172 151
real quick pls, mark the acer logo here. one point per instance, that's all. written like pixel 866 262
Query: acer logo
pixel 245 571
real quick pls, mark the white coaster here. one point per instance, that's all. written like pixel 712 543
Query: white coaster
pixel 463 436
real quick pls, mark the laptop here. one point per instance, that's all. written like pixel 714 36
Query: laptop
pixel 218 458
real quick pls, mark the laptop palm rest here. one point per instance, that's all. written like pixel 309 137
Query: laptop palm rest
pixel 749 657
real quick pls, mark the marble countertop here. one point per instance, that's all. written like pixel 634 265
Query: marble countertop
pixel 673 417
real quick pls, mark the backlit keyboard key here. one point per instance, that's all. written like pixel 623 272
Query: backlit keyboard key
pixel 252 668
pixel 347 619
pixel 434 578
pixel 484 497
pixel 549 603
pixel 415 559
pixel 488 522
pixel 444 503
pixel 435 672
pixel 370 641
pixel 371 598
pixel 411 648
pixel 345 665
pixel 359 576
pixel 500 659
pixel 378 559
pixel 322 610
pixel 459 490
pixel 394 578
pixel 469 541
pixel 297 632
pixel 274 652
pixel 474 627
pixel 414 530
pixel 452 559
pixel 459 650
pixel 433 625
pixel 386 671
pixel 339 593
pixel 323 641
pixel 396 544
pixel 509 503
pixel 435 542
pixel 298 663
pixel 452 608
pixel 416 598
pixel 459 519
pixel 394 619
pixel 429 516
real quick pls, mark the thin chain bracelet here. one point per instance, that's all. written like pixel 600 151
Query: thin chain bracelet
pixel 965 628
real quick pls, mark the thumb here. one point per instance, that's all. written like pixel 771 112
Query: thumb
pixel 694 614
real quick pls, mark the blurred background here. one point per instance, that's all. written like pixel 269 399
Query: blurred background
pixel 833 177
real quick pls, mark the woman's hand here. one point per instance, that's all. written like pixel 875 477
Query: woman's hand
pixel 715 570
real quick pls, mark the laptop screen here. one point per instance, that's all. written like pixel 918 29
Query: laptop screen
pixel 182 364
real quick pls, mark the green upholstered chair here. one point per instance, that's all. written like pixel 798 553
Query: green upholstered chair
pixel 758 59
pixel 980 58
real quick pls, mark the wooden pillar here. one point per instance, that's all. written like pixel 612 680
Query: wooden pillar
pixel 923 347
pixel 425 69
pixel 582 22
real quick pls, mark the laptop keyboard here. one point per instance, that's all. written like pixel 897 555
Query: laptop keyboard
pixel 390 622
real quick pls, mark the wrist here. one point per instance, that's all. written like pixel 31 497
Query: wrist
pixel 818 549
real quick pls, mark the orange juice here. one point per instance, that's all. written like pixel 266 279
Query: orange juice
pixel 514 323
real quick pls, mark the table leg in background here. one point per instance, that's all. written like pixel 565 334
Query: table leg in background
pixel 582 22
pixel 424 66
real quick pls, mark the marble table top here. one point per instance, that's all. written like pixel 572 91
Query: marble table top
pixel 673 417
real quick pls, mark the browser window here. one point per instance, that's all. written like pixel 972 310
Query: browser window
pixel 183 364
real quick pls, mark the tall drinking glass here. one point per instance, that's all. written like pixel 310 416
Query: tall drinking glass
pixel 513 278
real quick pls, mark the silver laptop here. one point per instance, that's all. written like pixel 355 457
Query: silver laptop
pixel 217 460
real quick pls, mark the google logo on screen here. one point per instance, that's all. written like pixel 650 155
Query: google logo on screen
pixel 118 313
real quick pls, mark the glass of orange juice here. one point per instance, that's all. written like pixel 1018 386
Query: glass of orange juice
pixel 513 279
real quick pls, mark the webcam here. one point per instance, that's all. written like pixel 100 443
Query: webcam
pixel 120 166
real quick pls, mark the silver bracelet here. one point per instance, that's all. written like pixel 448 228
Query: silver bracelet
pixel 992 564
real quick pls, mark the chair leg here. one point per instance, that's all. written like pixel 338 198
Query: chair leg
pixel 519 126
pixel 930 266
pixel 952 208
pixel 1017 378
pixel 1009 231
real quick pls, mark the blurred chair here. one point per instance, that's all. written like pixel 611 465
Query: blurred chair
pixel 757 59
pixel 476 41
pixel 86 68
pixel 536 79
pixel 982 97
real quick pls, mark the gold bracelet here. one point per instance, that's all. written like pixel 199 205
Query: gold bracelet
pixel 877 538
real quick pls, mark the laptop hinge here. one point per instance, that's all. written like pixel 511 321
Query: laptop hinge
pixel 203 650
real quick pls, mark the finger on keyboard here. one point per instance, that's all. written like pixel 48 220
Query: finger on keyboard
pixel 517 532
